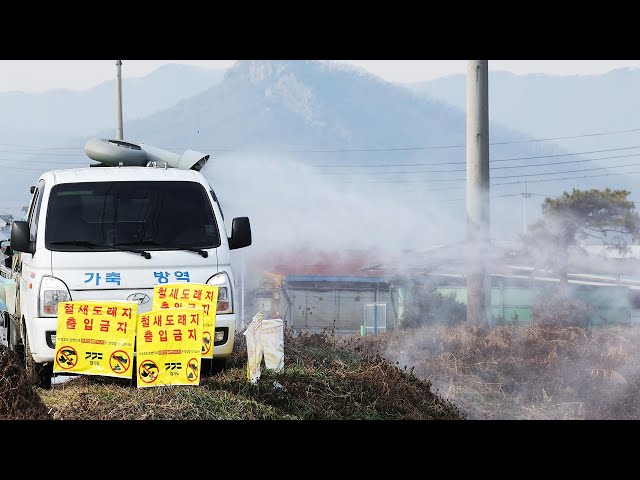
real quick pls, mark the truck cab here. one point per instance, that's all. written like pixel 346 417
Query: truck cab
pixel 112 233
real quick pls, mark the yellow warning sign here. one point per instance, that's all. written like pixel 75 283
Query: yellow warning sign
pixel 191 295
pixel 169 343
pixel 96 338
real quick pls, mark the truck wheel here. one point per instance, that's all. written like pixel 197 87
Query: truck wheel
pixel 218 365
pixel 134 373
pixel 212 366
pixel 4 316
pixel 12 339
pixel 41 373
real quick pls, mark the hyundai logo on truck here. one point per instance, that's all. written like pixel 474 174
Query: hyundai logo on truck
pixel 141 298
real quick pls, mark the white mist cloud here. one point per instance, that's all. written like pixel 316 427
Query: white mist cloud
pixel 292 205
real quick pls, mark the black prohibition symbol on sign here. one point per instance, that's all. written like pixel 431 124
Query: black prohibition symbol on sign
pixel 67 357
pixel 119 361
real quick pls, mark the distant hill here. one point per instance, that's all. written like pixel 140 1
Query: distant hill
pixel 36 129
pixel 72 112
pixel 546 106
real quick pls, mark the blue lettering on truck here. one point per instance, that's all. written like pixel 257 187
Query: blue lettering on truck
pixel 116 277
pixel 163 277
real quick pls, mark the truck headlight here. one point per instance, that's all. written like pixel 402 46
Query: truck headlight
pixel 225 303
pixel 218 336
pixel 52 291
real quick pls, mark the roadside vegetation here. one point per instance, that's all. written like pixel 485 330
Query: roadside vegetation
pixel 324 378
pixel 541 371
pixel 441 372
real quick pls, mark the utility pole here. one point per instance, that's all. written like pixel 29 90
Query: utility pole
pixel 525 195
pixel 478 247
pixel 119 100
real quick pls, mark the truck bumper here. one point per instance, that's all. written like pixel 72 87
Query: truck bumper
pixel 42 341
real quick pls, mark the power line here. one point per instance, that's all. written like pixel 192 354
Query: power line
pixel 597 134
pixel 44 162
pixel 43 168
pixel 37 148
pixel 431 164
pixel 436 147
pixel 567 178
pixel 424 164
pixel 366 149
pixel 493 160
pixel 491 168
pixel 569 171
pixel 458 179
pixel 43 153
pixel 509 176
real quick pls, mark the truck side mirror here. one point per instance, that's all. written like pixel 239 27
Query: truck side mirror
pixel 240 233
pixel 20 237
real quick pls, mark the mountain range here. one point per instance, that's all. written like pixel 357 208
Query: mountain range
pixel 316 152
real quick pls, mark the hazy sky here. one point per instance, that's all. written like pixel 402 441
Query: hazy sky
pixel 40 75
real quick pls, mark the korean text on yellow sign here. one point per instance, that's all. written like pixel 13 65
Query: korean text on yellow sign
pixel 96 338
pixel 192 295
pixel 169 343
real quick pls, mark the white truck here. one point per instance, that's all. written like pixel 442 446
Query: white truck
pixel 112 231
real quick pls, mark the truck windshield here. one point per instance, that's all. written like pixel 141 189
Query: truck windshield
pixel 153 215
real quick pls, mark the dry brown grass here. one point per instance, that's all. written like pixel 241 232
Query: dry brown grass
pixel 321 381
pixel 18 398
pixel 541 371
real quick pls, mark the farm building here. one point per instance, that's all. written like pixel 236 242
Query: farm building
pixel 317 291
pixel 357 291
pixel 611 304
pixel 606 282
